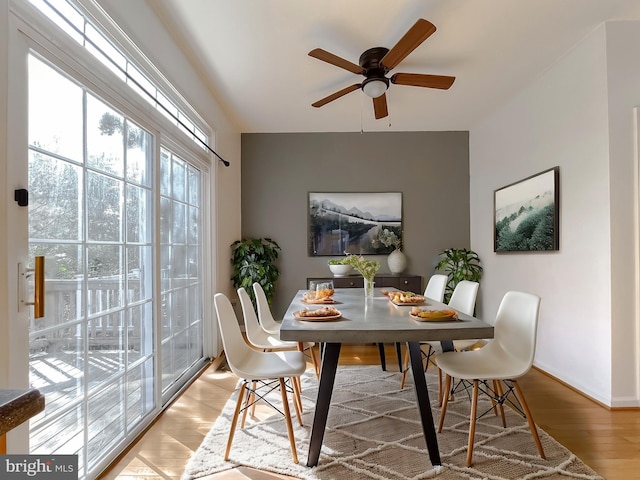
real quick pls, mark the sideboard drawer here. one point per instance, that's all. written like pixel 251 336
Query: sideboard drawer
pixel 411 283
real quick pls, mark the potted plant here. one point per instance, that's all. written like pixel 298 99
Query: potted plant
pixel 366 268
pixel 459 264
pixel 253 260
pixel 396 260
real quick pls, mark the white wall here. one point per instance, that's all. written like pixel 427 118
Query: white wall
pixel 573 117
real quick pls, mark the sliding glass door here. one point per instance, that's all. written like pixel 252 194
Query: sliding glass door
pixel 118 220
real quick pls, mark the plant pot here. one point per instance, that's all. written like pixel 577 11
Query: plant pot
pixel 397 261
pixel 340 270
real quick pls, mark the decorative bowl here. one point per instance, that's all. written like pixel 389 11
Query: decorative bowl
pixel 340 270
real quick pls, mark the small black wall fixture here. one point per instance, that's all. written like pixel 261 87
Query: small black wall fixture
pixel 21 196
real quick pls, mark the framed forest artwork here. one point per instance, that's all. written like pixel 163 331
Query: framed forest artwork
pixel 527 214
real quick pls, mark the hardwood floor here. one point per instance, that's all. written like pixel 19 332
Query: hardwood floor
pixel 608 441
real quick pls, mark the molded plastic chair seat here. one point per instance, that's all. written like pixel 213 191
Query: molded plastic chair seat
pixel 463 299
pixel 265 317
pixel 252 366
pixel 508 356
pixel 259 337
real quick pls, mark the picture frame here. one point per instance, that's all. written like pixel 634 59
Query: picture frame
pixel 526 214
pixel 340 222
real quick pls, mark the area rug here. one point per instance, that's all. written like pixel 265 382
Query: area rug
pixel 374 432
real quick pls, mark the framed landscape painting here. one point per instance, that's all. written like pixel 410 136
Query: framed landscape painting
pixel 352 222
pixel 527 214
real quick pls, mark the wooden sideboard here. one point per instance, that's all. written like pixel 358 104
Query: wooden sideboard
pixel 410 283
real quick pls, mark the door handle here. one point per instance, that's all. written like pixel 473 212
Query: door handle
pixel 38 276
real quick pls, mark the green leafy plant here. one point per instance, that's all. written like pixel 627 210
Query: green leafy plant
pixel 459 264
pixel 367 268
pixel 339 261
pixel 253 260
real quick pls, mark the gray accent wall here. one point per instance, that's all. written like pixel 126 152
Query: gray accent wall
pixel 431 169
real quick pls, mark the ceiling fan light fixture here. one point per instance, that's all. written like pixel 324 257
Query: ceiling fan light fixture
pixel 375 87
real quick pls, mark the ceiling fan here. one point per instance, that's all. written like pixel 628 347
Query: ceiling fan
pixel 376 62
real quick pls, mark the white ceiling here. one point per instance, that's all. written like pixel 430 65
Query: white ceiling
pixel 253 55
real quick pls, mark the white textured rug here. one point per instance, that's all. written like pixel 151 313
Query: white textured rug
pixel 374 432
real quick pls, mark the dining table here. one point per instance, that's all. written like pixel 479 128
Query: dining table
pixel 374 319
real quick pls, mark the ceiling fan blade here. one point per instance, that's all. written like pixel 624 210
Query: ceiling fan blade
pixel 335 60
pixel 417 34
pixel 380 106
pixel 336 95
pixel 442 82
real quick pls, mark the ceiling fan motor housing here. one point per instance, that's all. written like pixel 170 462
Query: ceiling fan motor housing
pixel 373 69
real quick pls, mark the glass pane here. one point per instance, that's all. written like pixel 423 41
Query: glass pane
pixel 138 218
pixel 194 186
pixel 55 203
pixel 55 121
pixel 166 220
pixel 57 368
pixel 105 52
pixel 139 267
pixel 106 420
pixel 105 134
pixel 166 316
pixel 104 207
pixel 166 274
pixel 179 223
pixel 179 180
pixel 194 225
pixel 106 280
pixel 106 336
pixel 193 262
pixel 165 173
pixel 140 340
pixel 139 402
pixel 139 154
pixel 179 265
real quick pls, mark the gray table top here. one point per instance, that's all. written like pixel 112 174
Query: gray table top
pixel 376 320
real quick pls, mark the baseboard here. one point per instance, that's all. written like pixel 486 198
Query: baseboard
pixel 632 404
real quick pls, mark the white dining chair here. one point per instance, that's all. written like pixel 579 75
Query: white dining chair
pixel 265 317
pixel 257 369
pixel 463 299
pixel 435 287
pixel 260 338
pixel 504 359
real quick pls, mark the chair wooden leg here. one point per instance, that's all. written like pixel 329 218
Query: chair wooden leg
pixel 297 403
pixel 445 402
pixel 234 420
pixel 498 388
pixel 314 359
pixel 405 369
pixel 472 424
pixel 287 416
pixel 527 412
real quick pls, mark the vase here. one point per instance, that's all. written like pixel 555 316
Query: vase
pixel 368 288
pixel 397 261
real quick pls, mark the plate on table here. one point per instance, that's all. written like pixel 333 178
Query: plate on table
pixel 406 298
pixel 322 301
pixel 321 315
pixel 434 315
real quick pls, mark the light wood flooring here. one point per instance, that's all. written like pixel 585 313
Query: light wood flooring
pixel 608 441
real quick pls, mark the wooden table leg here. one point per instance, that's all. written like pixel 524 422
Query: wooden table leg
pixel 424 406
pixel 329 365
